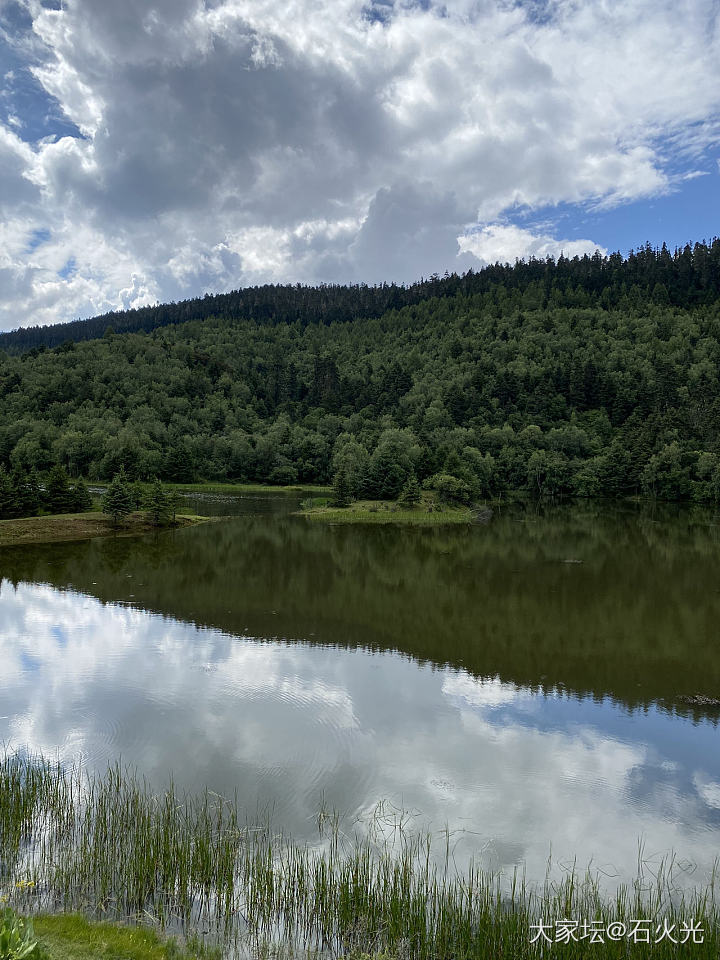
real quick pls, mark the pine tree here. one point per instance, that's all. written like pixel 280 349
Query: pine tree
pixel 117 501
pixel 26 492
pixel 32 494
pixel 341 489
pixel 82 501
pixel 173 504
pixel 58 495
pixel 158 504
pixel 410 495
pixel 138 495
pixel 8 496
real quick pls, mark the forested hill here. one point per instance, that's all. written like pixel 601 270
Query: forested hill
pixel 548 384
pixel 687 277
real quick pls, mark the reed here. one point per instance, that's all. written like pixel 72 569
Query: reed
pixel 109 846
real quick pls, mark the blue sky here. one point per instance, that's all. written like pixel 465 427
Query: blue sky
pixel 158 150
pixel 690 212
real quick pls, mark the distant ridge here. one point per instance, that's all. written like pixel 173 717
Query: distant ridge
pixel 689 276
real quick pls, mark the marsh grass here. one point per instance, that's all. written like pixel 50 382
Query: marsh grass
pixel 111 848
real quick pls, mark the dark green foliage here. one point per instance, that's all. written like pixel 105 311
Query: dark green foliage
pixel 29 495
pixel 688 277
pixel 158 504
pixel 173 502
pixel 118 502
pixel 58 497
pixel 592 376
pixel 138 495
pixel 341 489
pixel 410 495
pixel 19 494
pixel 8 496
pixel 391 464
pixel 81 499
pixel 449 489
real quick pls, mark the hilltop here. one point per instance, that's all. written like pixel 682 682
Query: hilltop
pixel 591 376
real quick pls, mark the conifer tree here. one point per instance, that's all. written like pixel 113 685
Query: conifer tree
pixel 58 495
pixel 26 494
pixel 117 501
pixel 138 495
pixel 8 496
pixel 82 501
pixel 32 494
pixel 173 503
pixel 158 504
pixel 341 489
pixel 410 495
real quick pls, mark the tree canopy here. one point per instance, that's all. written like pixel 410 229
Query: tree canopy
pixel 591 376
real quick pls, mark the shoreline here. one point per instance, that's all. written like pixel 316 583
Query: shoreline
pixel 210 486
pixel 424 514
pixel 66 527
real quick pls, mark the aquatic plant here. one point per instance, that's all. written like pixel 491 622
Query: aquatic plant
pixel 107 845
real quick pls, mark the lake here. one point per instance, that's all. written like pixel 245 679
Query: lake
pixel 544 683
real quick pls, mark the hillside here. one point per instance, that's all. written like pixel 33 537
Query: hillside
pixel 555 377
pixel 688 277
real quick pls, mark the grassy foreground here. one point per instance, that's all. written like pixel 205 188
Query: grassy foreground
pixel 107 846
pixel 427 513
pixel 78 526
pixel 74 937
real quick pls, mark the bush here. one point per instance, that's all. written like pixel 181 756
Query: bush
pixel 448 488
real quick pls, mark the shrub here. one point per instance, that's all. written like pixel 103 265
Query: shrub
pixel 448 488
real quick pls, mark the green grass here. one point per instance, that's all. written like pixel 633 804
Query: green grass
pixel 74 937
pixel 109 847
pixel 429 512
pixel 51 528
pixel 240 488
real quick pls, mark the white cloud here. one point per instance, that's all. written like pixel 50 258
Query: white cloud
pixel 507 243
pixel 236 141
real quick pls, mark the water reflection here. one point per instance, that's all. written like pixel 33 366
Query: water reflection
pixel 286 724
pixel 599 602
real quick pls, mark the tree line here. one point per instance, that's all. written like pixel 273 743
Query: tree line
pixel 525 386
pixel 688 276
pixel 24 494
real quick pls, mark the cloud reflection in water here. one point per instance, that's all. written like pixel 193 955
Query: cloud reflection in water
pixel 287 723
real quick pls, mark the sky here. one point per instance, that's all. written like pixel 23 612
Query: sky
pixel 155 151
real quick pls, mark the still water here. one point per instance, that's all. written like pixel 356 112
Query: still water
pixel 544 683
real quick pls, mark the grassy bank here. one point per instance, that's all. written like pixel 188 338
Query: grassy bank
pixel 78 526
pixel 428 512
pixel 74 937
pixel 106 845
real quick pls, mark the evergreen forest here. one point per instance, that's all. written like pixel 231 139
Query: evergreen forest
pixel 592 376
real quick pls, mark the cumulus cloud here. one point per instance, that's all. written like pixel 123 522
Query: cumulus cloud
pixel 507 243
pixel 224 142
